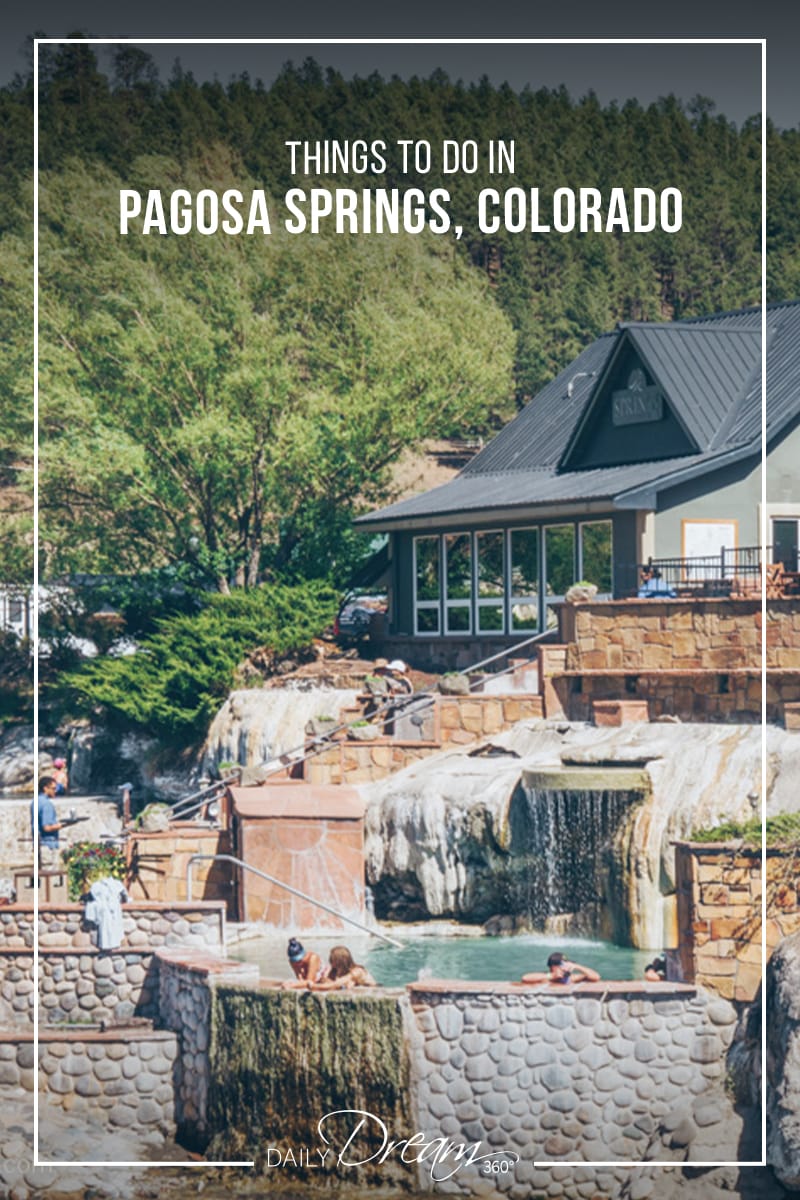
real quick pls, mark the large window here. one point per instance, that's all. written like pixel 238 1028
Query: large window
pixel 507 581
pixel 458 575
pixel 597 560
pixel 490 557
pixel 524 598
pixel 427 585
pixel 559 567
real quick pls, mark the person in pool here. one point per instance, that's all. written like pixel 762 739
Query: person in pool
pixel 561 971
pixel 306 964
pixel 343 973
pixel 656 971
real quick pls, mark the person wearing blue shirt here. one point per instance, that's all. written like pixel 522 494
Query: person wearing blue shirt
pixel 49 824
pixel 653 586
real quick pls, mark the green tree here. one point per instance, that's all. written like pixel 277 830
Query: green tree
pixel 222 399
pixel 182 672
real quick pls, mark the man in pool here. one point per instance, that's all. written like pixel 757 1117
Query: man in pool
pixel 561 971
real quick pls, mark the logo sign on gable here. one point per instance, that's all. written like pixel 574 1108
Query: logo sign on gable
pixel 638 403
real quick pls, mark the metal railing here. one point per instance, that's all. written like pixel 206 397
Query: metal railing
pixel 287 888
pixel 707 574
pixel 382 715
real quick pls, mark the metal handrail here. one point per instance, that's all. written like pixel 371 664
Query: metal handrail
pixel 302 753
pixel 201 797
pixel 287 887
pixel 537 637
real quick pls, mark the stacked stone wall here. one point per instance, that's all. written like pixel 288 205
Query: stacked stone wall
pixel 127 1077
pixel 711 635
pixel 457 720
pixel 709 696
pixel 80 983
pixel 719 892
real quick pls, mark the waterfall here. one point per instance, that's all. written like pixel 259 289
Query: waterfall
pixel 565 841
pixel 258 724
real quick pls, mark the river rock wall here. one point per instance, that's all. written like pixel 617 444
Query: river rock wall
pixel 77 982
pixel 602 1073
pixel 539 1082
pixel 126 1077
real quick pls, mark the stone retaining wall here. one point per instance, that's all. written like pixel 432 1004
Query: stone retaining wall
pixel 364 762
pixel 718 697
pixel 128 1075
pixel 79 982
pixel 594 1073
pixel 185 982
pixel 707 634
pixel 456 720
pixel 719 913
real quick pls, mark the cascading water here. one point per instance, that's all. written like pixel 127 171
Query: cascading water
pixel 256 725
pixel 565 843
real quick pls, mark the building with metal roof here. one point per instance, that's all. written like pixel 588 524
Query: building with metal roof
pixel 648 445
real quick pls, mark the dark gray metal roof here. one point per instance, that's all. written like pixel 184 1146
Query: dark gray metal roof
pixel 476 492
pixel 702 370
pixel 538 435
pixel 710 369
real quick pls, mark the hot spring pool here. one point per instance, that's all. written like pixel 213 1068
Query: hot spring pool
pixel 498 958
pixel 451 957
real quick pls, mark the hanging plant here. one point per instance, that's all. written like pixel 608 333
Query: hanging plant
pixel 88 861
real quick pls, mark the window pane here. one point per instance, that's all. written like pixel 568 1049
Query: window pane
pixel 525 616
pixel 458 619
pixel 490 565
pixel 596 555
pixel 559 550
pixel 525 562
pixel 459 566
pixel 428 620
pixel 427 550
pixel 490 618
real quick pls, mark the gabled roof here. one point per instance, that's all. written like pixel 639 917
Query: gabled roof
pixel 710 370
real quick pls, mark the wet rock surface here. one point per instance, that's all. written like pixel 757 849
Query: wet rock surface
pixel 439 834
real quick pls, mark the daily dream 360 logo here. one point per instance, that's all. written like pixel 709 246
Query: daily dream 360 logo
pixel 443 1156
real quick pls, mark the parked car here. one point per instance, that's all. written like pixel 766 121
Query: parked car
pixel 356 616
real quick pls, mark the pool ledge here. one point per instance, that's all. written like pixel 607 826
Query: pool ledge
pixel 615 987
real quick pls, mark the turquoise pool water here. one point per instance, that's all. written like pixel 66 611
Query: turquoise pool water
pixel 498 958
pixel 450 956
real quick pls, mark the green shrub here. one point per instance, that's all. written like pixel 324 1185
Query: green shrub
pixel 87 862
pixel 181 674
pixel 782 830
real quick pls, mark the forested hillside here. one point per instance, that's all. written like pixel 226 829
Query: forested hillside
pixel 195 396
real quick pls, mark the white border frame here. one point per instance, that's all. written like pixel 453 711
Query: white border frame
pixel 403 41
